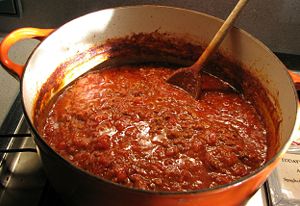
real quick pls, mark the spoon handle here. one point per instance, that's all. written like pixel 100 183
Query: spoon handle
pixel 219 36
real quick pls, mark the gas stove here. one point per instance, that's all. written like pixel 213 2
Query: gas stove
pixel 23 181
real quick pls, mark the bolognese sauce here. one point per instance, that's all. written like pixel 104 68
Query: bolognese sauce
pixel 127 125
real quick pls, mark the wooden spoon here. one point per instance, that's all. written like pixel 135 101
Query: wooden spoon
pixel 189 78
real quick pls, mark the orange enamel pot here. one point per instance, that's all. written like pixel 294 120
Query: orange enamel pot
pixel 78 187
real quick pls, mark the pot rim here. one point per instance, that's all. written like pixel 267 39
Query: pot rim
pixel 165 193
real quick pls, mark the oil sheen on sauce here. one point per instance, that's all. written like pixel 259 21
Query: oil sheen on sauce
pixel 127 125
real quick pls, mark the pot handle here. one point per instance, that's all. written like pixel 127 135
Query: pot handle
pixel 296 80
pixel 14 37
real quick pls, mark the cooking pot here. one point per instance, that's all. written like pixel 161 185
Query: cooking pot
pixel 59 46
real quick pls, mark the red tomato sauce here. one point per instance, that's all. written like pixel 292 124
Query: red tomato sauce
pixel 127 125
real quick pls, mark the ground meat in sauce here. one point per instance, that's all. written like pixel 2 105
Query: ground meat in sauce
pixel 129 126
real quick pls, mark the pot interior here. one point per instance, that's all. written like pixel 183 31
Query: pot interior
pixel 94 39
